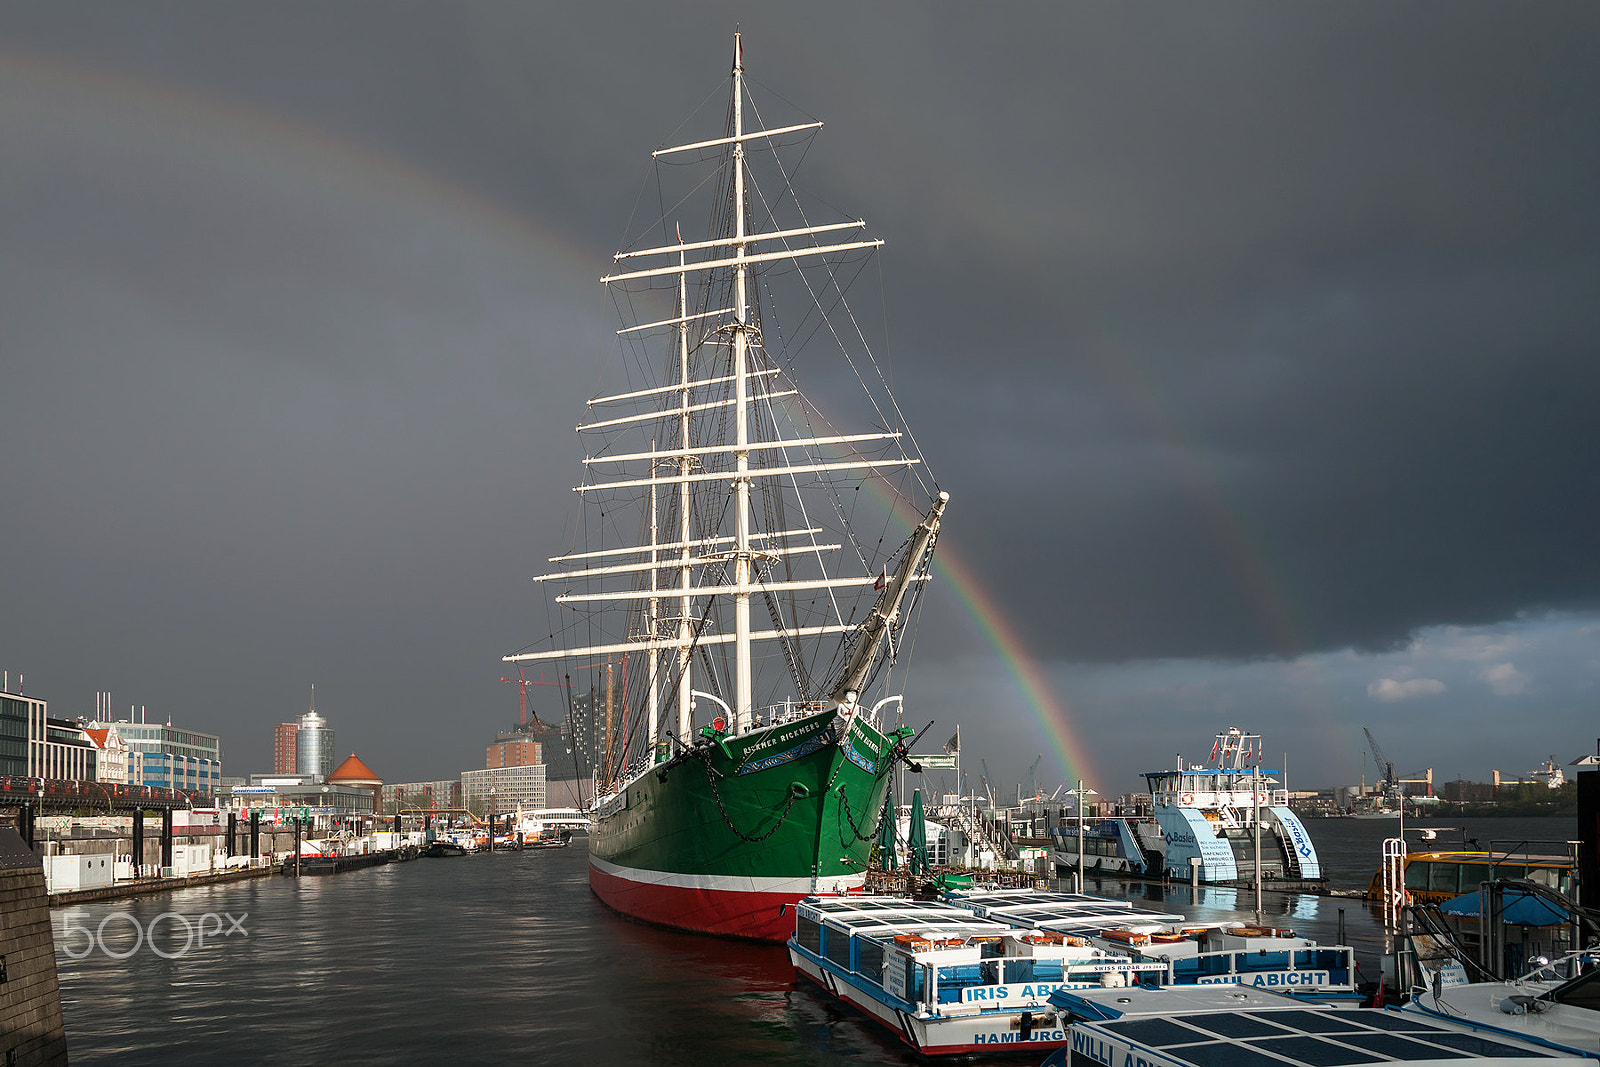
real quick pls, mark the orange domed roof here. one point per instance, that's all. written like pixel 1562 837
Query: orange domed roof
pixel 353 772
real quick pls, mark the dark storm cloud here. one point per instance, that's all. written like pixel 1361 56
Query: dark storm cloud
pixel 1234 330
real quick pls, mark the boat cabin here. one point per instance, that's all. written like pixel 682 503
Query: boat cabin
pixel 1190 952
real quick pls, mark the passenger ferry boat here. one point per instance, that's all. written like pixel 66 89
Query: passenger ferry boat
pixel 1191 953
pixel 1213 1026
pixel 1118 846
pixel 976 970
pixel 944 980
pixel 1206 812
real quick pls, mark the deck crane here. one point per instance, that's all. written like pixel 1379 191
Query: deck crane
pixel 987 791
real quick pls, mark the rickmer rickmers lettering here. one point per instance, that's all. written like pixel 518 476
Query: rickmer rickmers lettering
pixel 743 605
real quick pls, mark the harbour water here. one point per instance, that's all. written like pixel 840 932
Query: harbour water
pixel 508 957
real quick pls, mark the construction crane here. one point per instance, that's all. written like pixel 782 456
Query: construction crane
pixel 522 681
pixel 1030 785
pixel 1389 786
pixel 985 779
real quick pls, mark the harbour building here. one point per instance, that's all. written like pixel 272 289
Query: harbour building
pixel 35 744
pixel 354 774
pixel 170 757
pixel 65 752
pixel 313 746
pixel 21 719
pixel 111 754
pixel 513 787
pixel 514 749
pixel 583 738
pixel 284 753
pixel 441 794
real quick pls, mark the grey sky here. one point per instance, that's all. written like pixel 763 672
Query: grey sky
pixel 1256 344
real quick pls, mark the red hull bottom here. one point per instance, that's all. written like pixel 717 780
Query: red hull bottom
pixel 725 913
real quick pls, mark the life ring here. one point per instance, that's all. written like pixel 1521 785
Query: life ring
pixel 1186 800
pixel 1261 798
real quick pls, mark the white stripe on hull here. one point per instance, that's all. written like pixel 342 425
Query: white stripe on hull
pixel 728 883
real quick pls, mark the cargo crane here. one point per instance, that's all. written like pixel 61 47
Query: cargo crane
pixel 1392 787
pixel 1389 784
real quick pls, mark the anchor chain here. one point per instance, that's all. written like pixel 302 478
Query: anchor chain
pixel 716 794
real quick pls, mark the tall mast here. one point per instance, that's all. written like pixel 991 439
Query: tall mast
pixel 742 684
pixel 685 462
pixel 653 653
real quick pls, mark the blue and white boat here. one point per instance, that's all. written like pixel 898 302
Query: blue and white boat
pixel 945 981
pixel 974 972
pixel 1190 953
pixel 1206 813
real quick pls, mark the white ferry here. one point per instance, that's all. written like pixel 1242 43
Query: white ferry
pixel 1190 953
pixel 944 980
pixel 1213 1026
pixel 1207 813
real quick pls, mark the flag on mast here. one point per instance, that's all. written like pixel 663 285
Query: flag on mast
pixel 952 746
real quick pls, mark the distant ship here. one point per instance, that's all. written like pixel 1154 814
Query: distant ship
pixel 1205 812
pixel 741 765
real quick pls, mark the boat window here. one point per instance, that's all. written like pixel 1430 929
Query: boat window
pixel 952 980
pixel 1417 875
pixel 1204 965
pixel 869 958
pixel 1442 879
pixel 1028 970
pixel 1473 875
pixel 837 947
pixel 1262 961
pixel 1545 876
pixel 808 934
pixel 1582 992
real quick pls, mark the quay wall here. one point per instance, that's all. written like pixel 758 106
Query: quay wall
pixel 31 1030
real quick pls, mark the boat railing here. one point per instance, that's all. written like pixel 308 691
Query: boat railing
pixel 789 711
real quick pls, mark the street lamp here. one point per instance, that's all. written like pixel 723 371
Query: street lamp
pixel 1080 792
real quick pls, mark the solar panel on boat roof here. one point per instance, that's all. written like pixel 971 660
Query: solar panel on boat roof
pixel 1229 1025
pixel 1347 1038
pixel 1314 1022
pixel 1312 1051
pixel 1394 1020
pixel 1400 1048
pixel 1225 1054
pixel 1155 1032
pixel 1473 1045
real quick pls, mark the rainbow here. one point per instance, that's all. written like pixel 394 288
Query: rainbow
pixel 1024 672
pixel 130 110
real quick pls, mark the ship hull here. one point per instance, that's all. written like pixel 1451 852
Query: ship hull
pixel 721 838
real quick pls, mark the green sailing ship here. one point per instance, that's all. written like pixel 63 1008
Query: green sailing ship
pixel 747 570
